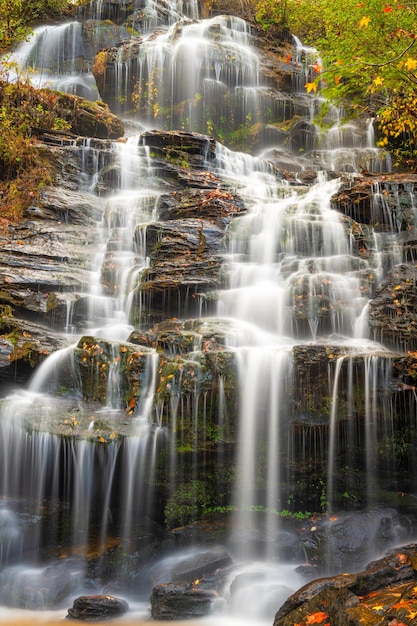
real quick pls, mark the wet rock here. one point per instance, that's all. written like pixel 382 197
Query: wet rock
pixel 39 587
pixel 185 262
pixel 191 566
pixel 345 599
pixel 214 205
pixel 114 11
pixel 210 529
pixel 393 310
pixel 174 145
pixel 283 160
pixel 6 349
pixel 345 542
pixel 184 336
pixel 171 601
pixel 97 608
pixel 24 345
pixel 99 360
pixel 328 605
pixel 383 202
pixel 90 119
pixel 43 259
pixel 66 206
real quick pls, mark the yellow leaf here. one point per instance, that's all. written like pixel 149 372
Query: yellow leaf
pixel 397 287
pixel 378 608
pixel 378 81
pixel 364 22
pixel 311 87
pixel 410 64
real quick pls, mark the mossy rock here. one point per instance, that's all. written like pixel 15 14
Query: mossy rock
pixel 98 359
pixel 90 119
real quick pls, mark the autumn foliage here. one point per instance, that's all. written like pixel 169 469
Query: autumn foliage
pixel 369 60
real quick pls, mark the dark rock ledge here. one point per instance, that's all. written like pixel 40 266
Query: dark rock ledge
pixel 97 608
pixel 385 593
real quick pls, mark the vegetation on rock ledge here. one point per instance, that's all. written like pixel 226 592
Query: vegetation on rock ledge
pixel 24 111
pixel 369 53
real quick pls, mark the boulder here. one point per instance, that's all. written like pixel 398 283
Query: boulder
pixel 97 608
pixel 171 601
pixel 37 588
pixel 190 566
pixel 384 591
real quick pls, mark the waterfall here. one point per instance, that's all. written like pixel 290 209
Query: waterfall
pixel 243 382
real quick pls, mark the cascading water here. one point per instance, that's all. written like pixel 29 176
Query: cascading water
pixel 90 456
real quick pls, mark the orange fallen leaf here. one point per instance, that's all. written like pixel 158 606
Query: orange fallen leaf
pixel 316 618
pixel 402 604
pixel 402 558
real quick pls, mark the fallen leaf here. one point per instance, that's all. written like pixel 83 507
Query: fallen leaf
pixel 311 87
pixel 316 618
pixel 364 22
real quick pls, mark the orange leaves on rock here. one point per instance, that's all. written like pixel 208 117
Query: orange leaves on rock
pixel 403 604
pixel 317 618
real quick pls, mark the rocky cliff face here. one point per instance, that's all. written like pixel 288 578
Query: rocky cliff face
pixel 348 411
pixel 45 282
